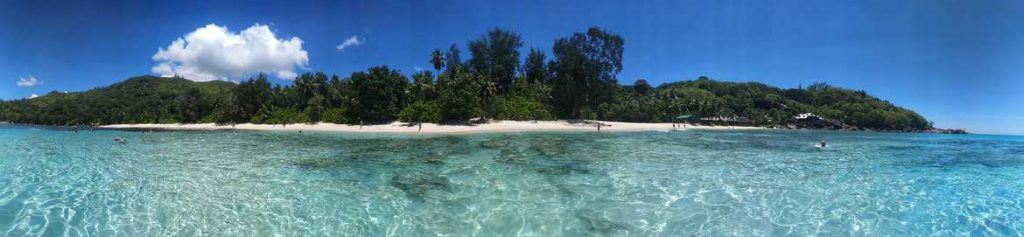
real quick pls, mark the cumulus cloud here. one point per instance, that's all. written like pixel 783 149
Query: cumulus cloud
pixel 29 81
pixel 350 42
pixel 215 53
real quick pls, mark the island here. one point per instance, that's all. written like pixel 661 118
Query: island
pixel 578 86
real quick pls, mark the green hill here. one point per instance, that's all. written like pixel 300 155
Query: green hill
pixel 148 99
pixel 143 99
pixel 762 104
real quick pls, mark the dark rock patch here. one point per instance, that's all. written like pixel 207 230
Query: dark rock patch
pixel 419 185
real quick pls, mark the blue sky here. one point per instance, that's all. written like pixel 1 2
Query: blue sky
pixel 958 63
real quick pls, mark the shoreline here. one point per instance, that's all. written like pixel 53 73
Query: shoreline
pixel 431 128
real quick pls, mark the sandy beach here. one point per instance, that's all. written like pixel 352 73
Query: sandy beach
pixel 430 128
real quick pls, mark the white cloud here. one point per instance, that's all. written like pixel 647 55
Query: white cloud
pixel 214 53
pixel 29 81
pixel 33 96
pixel 350 42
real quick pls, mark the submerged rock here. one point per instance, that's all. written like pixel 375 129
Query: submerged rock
pixel 497 143
pixel 418 185
pixel 598 222
pixel 550 147
pixel 565 169
pixel 509 156
pixel 431 158
pixel 319 163
pixel 455 145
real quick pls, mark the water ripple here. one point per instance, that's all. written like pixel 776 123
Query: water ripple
pixel 725 183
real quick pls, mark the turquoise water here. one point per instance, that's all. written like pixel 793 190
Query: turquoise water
pixel 55 182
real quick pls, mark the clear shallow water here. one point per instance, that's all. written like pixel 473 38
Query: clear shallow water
pixel 55 182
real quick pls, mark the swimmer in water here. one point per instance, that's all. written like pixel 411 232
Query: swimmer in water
pixel 823 144
pixel 120 140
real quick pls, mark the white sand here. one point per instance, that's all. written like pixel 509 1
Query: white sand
pixel 430 128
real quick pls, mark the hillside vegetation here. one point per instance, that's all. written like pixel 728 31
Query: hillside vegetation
pixel 579 82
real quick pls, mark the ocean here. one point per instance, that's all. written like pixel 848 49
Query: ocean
pixel 55 182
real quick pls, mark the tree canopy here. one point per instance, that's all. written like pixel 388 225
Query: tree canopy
pixel 496 55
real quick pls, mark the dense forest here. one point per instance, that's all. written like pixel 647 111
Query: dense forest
pixel 579 81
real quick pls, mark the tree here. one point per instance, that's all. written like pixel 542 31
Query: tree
pixel 338 92
pixel 310 86
pixel 251 95
pixel 534 91
pixel 226 111
pixel 641 87
pixel 534 68
pixel 315 108
pixel 285 97
pixel 585 69
pixel 423 87
pixel 488 92
pixel 458 95
pixel 496 55
pixel 380 93
pixel 695 101
pixel 437 59
pixel 632 107
pixel 453 59
pixel 189 107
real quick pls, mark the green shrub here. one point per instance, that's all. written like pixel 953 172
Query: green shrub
pixel 168 121
pixel 521 108
pixel 421 112
pixel 335 115
pixel 287 116
pixel 213 118
pixel 262 116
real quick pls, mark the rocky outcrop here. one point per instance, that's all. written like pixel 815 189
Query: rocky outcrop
pixel 947 131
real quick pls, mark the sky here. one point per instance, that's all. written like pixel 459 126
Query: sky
pixel 958 63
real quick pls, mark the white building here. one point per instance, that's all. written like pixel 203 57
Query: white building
pixel 805 116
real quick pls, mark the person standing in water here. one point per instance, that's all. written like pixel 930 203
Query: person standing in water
pixel 822 144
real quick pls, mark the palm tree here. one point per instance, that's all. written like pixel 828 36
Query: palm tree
pixel 437 59
pixel 488 91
